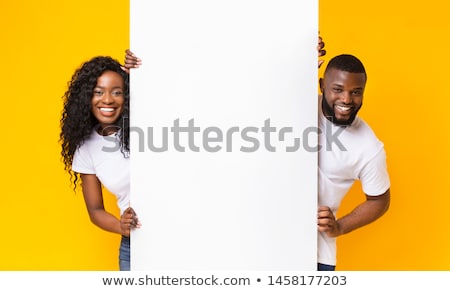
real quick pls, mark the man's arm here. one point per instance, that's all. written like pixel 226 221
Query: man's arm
pixel 320 50
pixel 368 211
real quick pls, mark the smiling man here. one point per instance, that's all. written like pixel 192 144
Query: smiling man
pixel 359 155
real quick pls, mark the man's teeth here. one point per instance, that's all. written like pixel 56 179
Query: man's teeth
pixel 343 108
pixel 107 109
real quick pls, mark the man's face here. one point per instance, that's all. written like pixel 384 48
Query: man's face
pixel 342 95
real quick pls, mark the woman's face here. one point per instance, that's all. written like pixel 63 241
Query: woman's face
pixel 108 101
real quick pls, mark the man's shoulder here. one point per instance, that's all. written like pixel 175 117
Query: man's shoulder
pixel 367 140
pixel 360 126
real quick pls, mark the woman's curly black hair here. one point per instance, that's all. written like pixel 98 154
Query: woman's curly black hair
pixel 77 120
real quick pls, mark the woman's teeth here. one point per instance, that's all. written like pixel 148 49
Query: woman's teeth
pixel 107 109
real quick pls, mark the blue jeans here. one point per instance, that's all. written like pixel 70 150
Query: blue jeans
pixel 124 254
pixel 323 267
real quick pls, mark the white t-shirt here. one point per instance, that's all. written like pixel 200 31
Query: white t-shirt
pixel 101 155
pixel 347 154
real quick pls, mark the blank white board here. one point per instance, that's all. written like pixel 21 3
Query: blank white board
pixel 223 134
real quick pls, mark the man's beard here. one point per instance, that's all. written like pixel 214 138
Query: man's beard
pixel 328 111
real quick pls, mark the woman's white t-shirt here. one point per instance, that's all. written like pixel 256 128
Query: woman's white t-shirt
pixel 101 155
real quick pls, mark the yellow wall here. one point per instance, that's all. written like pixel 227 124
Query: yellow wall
pixel 45 224
pixel 404 47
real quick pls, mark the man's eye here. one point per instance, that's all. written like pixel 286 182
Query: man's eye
pixel 337 90
pixel 357 93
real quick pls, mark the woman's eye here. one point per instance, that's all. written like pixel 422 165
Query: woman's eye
pixel 98 93
pixel 117 93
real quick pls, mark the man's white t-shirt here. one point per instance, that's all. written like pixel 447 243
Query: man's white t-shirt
pixel 347 154
pixel 101 155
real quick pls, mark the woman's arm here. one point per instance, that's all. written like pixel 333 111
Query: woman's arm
pixel 93 197
pixel 131 61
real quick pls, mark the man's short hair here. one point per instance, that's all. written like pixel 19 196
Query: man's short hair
pixel 346 63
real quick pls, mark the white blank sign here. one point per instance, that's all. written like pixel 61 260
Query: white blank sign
pixel 223 134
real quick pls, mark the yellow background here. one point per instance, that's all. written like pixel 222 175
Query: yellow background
pixel 404 46
pixel 45 225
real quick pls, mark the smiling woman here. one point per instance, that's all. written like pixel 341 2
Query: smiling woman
pixel 96 108
pixel 108 101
